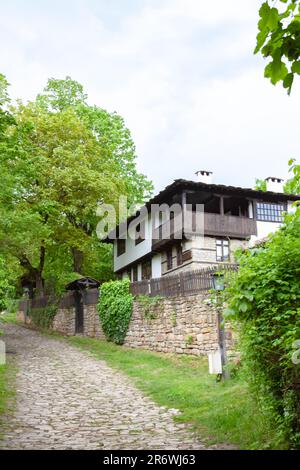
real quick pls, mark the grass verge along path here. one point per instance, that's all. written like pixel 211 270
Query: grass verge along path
pixel 219 412
pixel 7 373
pixel 6 391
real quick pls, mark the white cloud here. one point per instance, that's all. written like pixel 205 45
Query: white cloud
pixel 181 73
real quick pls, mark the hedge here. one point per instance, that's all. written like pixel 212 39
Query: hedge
pixel 115 309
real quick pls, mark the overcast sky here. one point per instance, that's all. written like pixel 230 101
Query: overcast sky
pixel 181 72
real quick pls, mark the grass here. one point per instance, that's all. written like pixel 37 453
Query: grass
pixel 10 314
pixel 219 412
pixel 8 370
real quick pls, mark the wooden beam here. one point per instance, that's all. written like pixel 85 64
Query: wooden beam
pixel 221 205
pixel 183 204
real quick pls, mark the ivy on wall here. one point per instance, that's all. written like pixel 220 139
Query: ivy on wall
pixel 43 317
pixel 115 309
pixel 151 306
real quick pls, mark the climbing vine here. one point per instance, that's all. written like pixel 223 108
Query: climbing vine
pixel 151 306
pixel 43 317
pixel 115 309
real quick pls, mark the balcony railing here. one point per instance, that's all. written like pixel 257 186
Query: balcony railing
pixel 213 224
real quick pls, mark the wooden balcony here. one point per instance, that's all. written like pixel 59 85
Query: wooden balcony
pixel 214 225
pixel 229 225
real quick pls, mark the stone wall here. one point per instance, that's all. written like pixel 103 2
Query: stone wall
pixel 91 322
pixel 183 325
pixel 64 322
pixel 203 254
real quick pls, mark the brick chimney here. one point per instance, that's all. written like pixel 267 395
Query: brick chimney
pixel 204 176
pixel 274 184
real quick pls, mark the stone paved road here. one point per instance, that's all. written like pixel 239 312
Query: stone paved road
pixel 66 399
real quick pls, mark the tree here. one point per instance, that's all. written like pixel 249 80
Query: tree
pixel 260 185
pixel 9 272
pixel 9 268
pixel 65 159
pixel 279 39
pixel 4 97
pixel 109 129
pixel 292 186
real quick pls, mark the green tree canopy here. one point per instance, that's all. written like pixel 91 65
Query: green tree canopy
pixel 60 158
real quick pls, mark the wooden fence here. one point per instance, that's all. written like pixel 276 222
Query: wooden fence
pixel 184 283
pixel 67 300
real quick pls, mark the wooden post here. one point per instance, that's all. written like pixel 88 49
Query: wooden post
pixel 183 204
pixel 222 344
pixel 221 205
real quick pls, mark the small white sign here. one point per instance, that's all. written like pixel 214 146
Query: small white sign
pixel 215 362
pixel 2 353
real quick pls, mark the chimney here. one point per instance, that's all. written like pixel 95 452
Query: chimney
pixel 274 184
pixel 204 176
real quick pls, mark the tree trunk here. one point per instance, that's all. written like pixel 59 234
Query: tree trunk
pixel 35 275
pixel 77 260
pixel 39 284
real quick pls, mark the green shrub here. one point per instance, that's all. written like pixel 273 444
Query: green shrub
pixel 264 297
pixel 9 315
pixel 115 309
pixel 43 317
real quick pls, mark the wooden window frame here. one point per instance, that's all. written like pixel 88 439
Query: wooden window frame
pixel 222 243
pixel 270 211
pixel 146 270
pixel 179 255
pixel 169 256
pixel 121 246
pixel 142 230
pixel 135 273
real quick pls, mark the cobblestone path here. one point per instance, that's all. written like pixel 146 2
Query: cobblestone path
pixel 66 399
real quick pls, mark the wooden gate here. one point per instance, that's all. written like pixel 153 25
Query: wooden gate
pixel 79 318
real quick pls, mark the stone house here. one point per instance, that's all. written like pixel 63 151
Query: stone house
pixel 196 224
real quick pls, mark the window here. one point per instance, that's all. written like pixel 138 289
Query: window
pixel 179 255
pixel 121 246
pixel 134 273
pixel 169 259
pixel 222 248
pixel 146 270
pixel 140 229
pixel 270 212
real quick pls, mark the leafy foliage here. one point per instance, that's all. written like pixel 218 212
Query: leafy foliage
pixel 59 159
pixel 260 185
pixel 292 186
pixel 4 98
pixel 151 306
pixel 264 297
pixel 43 317
pixel 279 39
pixel 115 309
pixel 9 272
